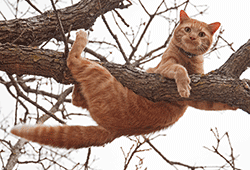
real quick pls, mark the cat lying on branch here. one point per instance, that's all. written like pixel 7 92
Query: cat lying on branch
pixel 117 110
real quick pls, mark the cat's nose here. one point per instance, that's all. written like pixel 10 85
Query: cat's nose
pixel 192 38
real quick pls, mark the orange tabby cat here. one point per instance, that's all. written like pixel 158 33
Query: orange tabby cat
pixel 116 109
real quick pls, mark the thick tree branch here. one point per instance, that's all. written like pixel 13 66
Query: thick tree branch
pixel 19 59
pixel 41 28
pixel 221 85
pixel 238 62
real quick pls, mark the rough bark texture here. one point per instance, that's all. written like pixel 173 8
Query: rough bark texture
pixel 221 85
pixel 238 62
pixel 41 28
pixel 20 59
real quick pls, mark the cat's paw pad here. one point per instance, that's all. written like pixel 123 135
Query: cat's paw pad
pixel 183 87
pixel 82 36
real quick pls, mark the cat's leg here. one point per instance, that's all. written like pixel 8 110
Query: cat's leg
pixel 76 50
pixel 91 76
pixel 96 83
pixel 65 136
pixel 77 97
pixel 206 105
pixel 172 70
pixel 74 64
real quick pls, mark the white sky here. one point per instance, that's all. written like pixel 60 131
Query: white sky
pixel 185 140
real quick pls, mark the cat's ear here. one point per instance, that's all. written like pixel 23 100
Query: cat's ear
pixel 183 16
pixel 213 27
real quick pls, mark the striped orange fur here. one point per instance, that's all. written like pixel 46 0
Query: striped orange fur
pixel 119 111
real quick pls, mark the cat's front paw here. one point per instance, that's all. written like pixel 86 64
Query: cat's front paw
pixel 183 86
pixel 82 36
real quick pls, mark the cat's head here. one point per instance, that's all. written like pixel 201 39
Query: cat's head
pixel 194 36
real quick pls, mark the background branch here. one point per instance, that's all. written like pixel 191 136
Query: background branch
pixel 66 47
pixel 116 39
pixel 33 29
pixel 16 149
pixel 33 6
pixel 32 102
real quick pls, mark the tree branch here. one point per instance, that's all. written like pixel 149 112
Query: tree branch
pixel 33 6
pixel 33 29
pixel 238 62
pixel 66 47
pixel 16 149
pixel 221 85
pixel 19 92
pixel 116 39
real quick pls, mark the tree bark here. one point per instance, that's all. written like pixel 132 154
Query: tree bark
pixel 35 30
pixel 222 85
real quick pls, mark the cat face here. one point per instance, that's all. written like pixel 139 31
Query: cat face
pixel 194 36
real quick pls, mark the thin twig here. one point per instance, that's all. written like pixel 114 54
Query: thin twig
pixel 122 19
pixel 60 100
pixel 116 39
pixel 99 56
pixel 175 7
pixel 121 30
pixel 27 89
pixel 229 44
pixel 139 61
pixel 33 6
pixel 132 153
pixel 87 160
pixel 172 162
pixel 8 85
pixel 92 52
pixel 144 31
pixel 3 16
pixel 102 42
pixel 19 92
pixel 232 155
pixel 152 58
pixel 216 149
pixel 144 8
pixel 66 51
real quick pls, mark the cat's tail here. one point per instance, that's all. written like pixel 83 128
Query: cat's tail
pixel 64 136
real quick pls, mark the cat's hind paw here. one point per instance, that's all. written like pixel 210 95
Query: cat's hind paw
pixel 82 38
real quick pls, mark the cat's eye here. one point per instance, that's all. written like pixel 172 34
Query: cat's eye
pixel 202 34
pixel 187 29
